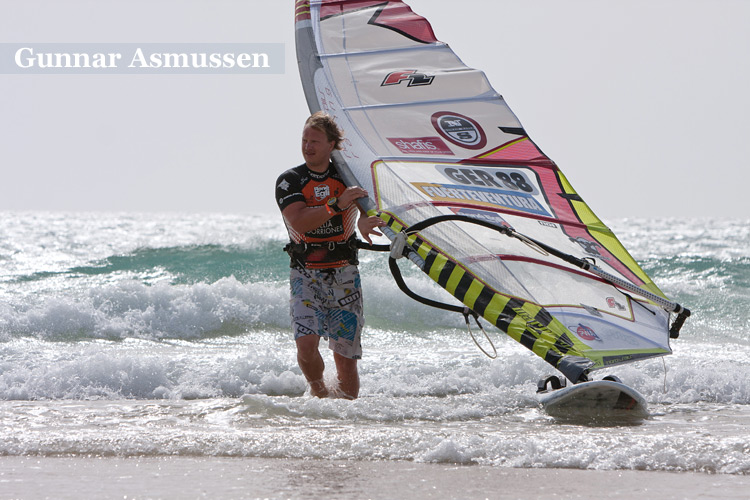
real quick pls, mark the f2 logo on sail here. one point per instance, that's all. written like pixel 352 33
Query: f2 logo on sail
pixel 410 75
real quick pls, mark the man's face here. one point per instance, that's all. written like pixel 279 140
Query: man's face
pixel 316 148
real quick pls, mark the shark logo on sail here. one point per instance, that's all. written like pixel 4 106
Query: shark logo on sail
pixel 459 129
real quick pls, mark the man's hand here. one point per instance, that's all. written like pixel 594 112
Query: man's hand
pixel 367 225
pixel 349 195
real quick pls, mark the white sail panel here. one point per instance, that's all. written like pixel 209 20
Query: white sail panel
pixel 378 84
pixel 460 130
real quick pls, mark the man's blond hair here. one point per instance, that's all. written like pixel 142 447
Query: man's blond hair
pixel 324 122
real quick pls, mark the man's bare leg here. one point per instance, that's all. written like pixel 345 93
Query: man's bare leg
pixel 311 363
pixel 348 376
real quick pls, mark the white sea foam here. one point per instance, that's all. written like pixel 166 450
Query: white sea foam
pixel 169 335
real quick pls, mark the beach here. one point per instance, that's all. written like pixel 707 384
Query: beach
pixel 252 478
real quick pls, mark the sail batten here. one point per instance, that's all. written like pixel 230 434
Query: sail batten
pixel 416 104
pixel 383 52
pixel 430 139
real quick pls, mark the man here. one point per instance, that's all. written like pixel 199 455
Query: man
pixel 320 214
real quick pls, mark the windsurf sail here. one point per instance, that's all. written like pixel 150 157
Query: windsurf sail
pixel 482 210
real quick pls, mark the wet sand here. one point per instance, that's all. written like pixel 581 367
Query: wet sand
pixel 28 477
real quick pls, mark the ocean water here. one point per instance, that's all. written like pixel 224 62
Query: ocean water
pixel 160 335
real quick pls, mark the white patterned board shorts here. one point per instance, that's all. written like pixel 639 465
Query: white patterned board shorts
pixel 328 302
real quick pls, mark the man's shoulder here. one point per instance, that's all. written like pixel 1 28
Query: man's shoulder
pixel 295 176
pixel 289 186
pixel 294 172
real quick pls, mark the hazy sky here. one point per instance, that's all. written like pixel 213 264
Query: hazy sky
pixel 642 103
